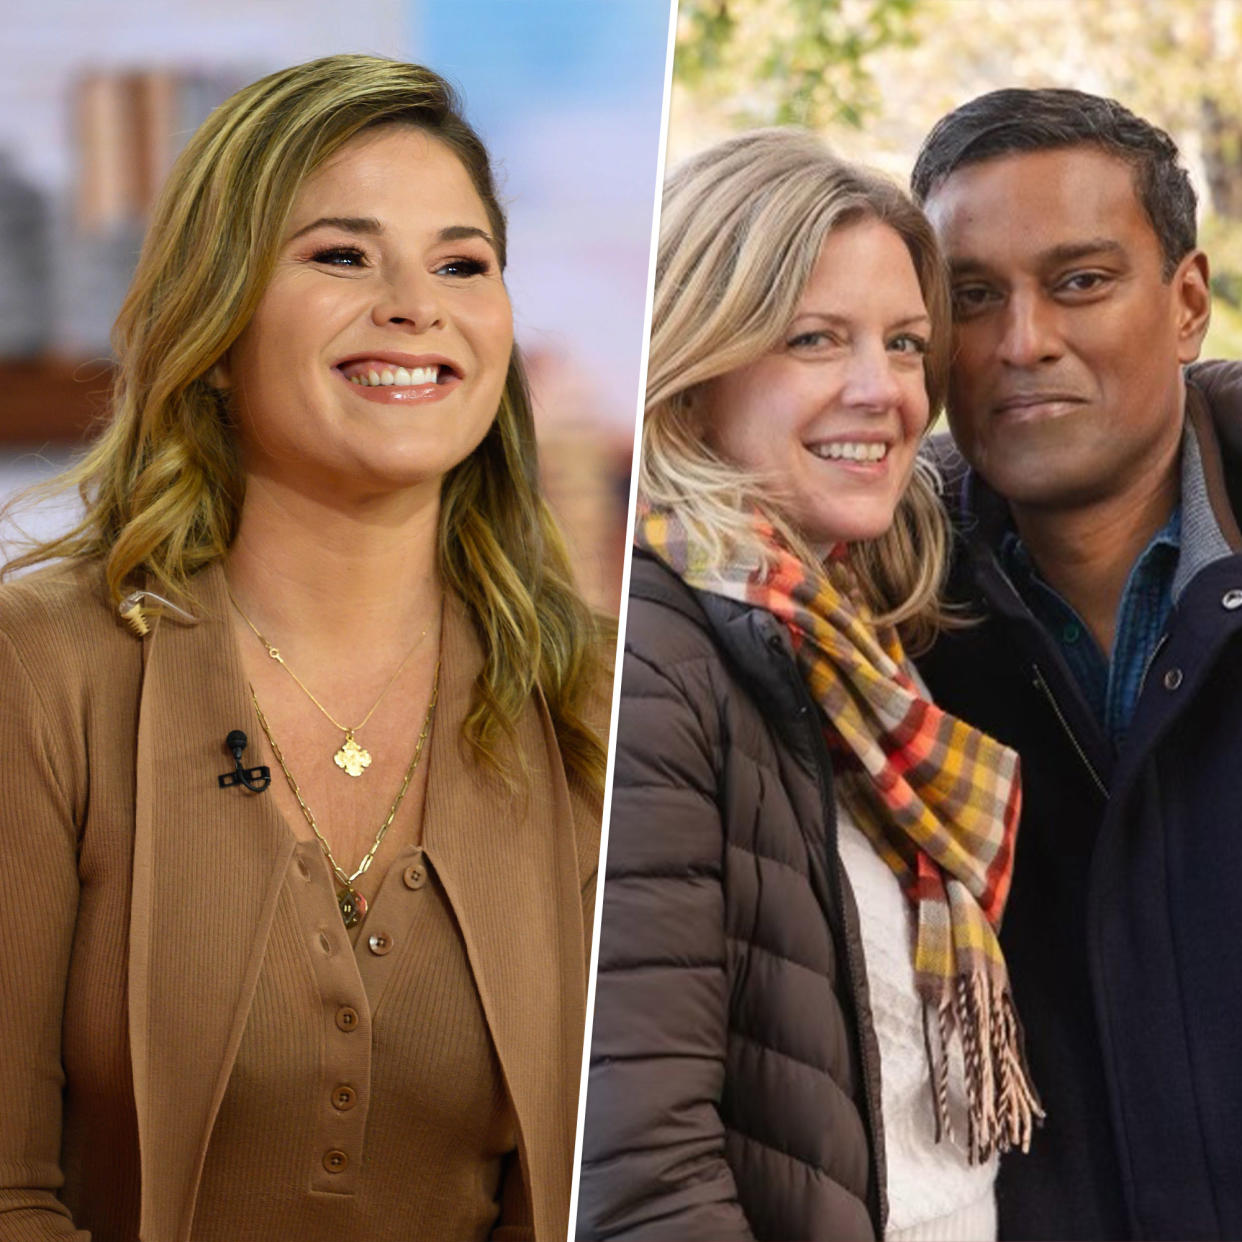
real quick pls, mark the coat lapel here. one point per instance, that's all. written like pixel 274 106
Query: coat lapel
pixel 508 863
pixel 208 867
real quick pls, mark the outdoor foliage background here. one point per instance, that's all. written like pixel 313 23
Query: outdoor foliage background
pixel 873 76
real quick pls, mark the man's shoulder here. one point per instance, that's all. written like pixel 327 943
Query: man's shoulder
pixel 1219 379
pixel 1220 382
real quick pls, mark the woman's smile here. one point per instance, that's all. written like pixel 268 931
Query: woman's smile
pixel 386 292
pixel 831 419
pixel 861 452
pixel 400 379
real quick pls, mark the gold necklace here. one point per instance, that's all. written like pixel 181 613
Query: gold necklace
pixel 352 904
pixel 351 758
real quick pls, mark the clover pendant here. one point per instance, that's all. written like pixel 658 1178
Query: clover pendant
pixel 352 758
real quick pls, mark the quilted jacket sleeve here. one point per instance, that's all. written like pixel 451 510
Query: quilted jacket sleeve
pixel 653 1150
pixel 38 859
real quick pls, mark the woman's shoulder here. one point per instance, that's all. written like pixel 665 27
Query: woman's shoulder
pixel 665 624
pixel 68 662
pixel 69 668
pixel 61 614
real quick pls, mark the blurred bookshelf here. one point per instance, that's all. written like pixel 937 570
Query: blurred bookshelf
pixel 51 400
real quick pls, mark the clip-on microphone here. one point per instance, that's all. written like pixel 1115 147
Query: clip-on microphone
pixel 254 779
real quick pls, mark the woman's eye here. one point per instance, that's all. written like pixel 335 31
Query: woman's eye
pixel 340 256
pixel 809 340
pixel 463 266
pixel 909 343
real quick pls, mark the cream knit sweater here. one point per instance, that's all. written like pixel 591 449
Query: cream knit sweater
pixel 933 1193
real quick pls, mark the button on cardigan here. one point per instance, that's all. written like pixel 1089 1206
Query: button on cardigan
pixel 315 1124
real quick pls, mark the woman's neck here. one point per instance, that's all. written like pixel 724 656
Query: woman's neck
pixel 318 578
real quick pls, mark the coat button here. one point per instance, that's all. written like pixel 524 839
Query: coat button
pixel 380 943
pixel 414 876
pixel 1173 679
pixel 344 1097
pixel 335 1161
pixel 1231 600
pixel 347 1018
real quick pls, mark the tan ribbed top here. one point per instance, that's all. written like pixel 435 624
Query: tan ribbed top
pixel 393 1125
pixel 173 1034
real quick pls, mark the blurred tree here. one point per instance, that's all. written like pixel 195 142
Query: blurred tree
pixel 1185 64
pixel 874 75
pixel 1175 62
pixel 788 61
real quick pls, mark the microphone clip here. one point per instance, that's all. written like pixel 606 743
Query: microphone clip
pixel 255 779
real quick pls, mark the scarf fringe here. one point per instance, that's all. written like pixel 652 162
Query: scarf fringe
pixel 1002 1106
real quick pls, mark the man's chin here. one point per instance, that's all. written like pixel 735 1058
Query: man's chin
pixel 1046 484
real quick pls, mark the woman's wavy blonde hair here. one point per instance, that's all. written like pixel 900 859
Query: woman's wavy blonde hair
pixel 741 228
pixel 163 483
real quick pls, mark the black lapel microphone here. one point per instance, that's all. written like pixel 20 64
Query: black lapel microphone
pixel 254 779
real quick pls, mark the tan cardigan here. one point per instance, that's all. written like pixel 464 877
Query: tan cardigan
pixel 139 897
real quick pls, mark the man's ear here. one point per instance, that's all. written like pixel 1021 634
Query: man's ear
pixel 1193 294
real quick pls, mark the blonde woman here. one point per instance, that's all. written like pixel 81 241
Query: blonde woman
pixel 807 860
pixel 302 797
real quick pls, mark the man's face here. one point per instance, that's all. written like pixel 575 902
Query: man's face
pixel 1066 384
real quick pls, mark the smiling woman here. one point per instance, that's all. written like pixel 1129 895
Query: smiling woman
pixel 414 285
pixel 803 1026
pixel 311 806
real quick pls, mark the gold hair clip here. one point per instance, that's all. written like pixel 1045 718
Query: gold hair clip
pixel 131 611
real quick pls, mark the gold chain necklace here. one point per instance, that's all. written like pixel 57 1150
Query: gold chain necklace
pixel 352 758
pixel 352 904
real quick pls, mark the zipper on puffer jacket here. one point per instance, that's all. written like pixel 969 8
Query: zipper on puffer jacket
pixel 855 967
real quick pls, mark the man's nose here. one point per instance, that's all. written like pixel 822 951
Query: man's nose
pixel 1032 330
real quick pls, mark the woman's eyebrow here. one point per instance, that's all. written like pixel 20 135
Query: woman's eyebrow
pixel 844 321
pixel 456 232
pixel 369 226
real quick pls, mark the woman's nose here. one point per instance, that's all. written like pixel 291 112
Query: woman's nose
pixel 870 382
pixel 410 299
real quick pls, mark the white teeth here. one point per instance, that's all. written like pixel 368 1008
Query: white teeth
pixel 399 378
pixel 850 450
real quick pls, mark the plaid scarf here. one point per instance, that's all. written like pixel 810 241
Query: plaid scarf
pixel 937 799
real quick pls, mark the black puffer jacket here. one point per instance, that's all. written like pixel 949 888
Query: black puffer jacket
pixel 734 1087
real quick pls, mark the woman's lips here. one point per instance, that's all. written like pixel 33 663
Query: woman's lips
pixel 866 459
pixel 403 394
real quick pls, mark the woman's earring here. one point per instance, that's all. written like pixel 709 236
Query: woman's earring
pixel 217 375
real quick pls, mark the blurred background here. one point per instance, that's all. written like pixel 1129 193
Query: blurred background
pixel 873 76
pixel 98 96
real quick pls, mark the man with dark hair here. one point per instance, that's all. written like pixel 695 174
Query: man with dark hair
pixel 1099 543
